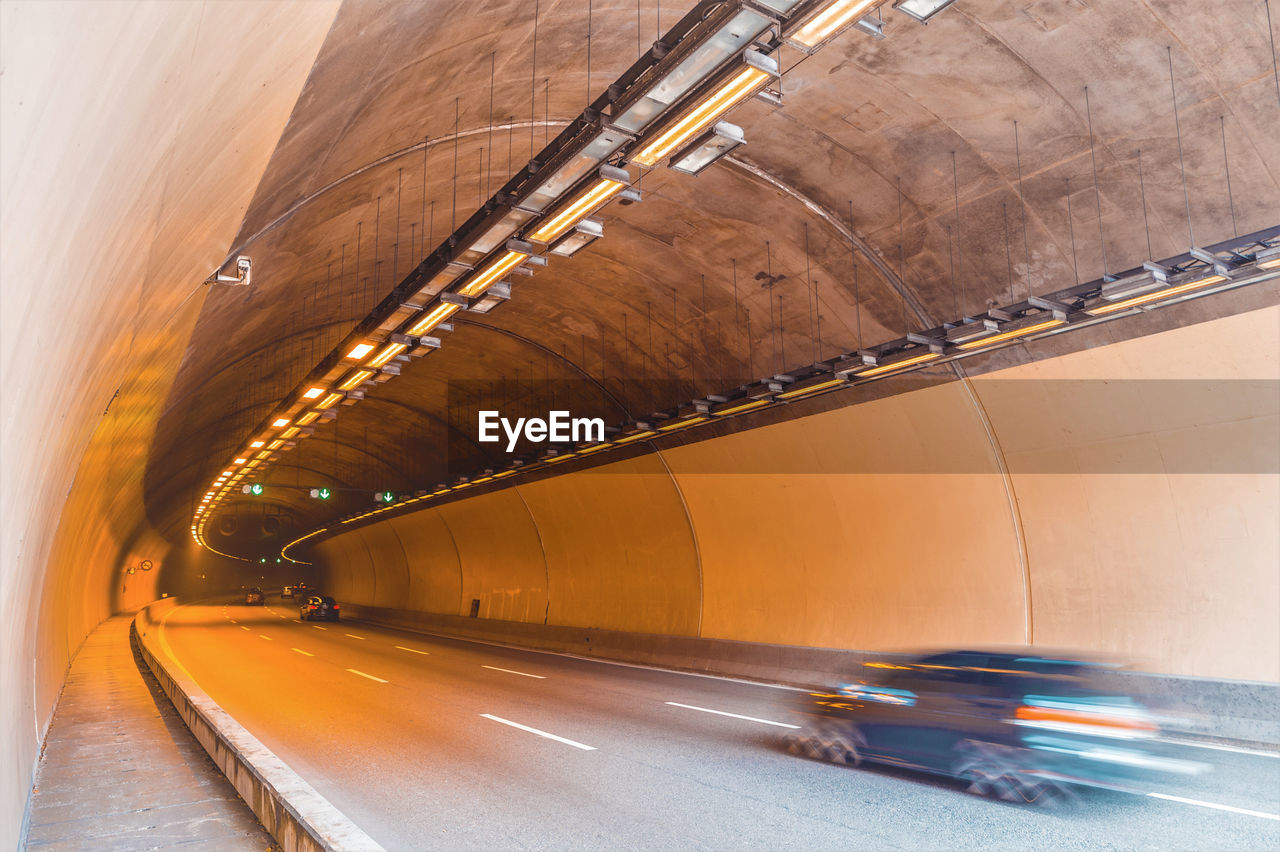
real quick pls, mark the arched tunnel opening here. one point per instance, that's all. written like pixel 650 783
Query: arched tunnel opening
pixel 695 424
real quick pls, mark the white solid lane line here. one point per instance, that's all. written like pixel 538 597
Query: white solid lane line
pixel 539 733
pixel 1216 807
pixel 513 671
pixel 411 650
pixel 371 677
pixel 268 638
pixel 732 715
pixel 302 652
pixel 1233 749
pixel 353 636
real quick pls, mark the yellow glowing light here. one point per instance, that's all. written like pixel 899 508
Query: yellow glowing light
pixel 290 432
pixel 558 458
pixel 255 445
pixel 355 378
pixel 746 406
pixel 329 400
pixel 1156 296
pixel 240 461
pixel 312 393
pixel 831 19
pixel 496 270
pixel 680 424
pixel 821 386
pixel 636 437
pixel 283 421
pixel 441 313
pixel 910 362
pixel 1010 335
pixel 360 350
pixel 274 445
pixel 569 216
pixel 308 418
pixel 1273 263
pixel 595 449
pixel 736 90
pixel 262 455
pixel 388 352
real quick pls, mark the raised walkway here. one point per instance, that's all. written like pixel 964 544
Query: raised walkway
pixel 120 770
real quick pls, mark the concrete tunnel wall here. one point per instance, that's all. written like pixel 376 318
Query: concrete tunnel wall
pixel 134 136
pixel 1039 502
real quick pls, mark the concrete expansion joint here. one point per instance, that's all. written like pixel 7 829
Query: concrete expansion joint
pixel 293 811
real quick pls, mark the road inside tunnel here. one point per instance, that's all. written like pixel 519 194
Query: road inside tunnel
pixel 431 742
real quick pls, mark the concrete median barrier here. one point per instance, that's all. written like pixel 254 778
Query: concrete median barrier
pixel 295 814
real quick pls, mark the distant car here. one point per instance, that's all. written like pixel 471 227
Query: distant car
pixel 301 590
pixel 254 597
pixel 1020 727
pixel 286 592
pixel 319 608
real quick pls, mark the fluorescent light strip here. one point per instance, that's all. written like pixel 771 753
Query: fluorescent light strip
pixel 360 350
pixel 888 368
pixel 1010 335
pixel 312 393
pixel 388 352
pixel 578 210
pixel 283 421
pixel 1156 296
pixel 290 432
pixel 356 378
pixel 737 89
pixel 821 386
pixel 492 273
pixel 274 445
pixel 329 401
pixel 825 24
pixel 746 406
pixel 441 313
pixel 636 437
pixel 680 424
pixel 307 419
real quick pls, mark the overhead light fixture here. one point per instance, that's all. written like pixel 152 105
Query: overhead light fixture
pixel 635 436
pixel 922 10
pixel 1268 258
pixel 707 148
pixel 817 385
pixel 290 432
pixel 1157 296
pixel 312 393
pixel 599 149
pixel 578 237
pixel 612 181
pixel 283 421
pixel 1033 325
pixel 830 20
pixel 516 252
pixel 360 350
pixel 739 407
pixel 900 364
pixel 328 401
pixel 239 461
pixel 756 70
pixel 388 352
pixel 735 35
pixel 439 314
pixel 356 378
pixel 256 444
pixel 681 424
pixel 496 293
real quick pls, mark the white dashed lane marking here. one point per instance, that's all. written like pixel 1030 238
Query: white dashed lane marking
pixel 302 652
pixel 411 650
pixel 543 734
pixel 732 715
pixel 369 676
pixel 513 671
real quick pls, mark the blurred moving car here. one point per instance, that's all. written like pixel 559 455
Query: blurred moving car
pixel 286 592
pixel 254 597
pixel 319 608
pixel 1020 727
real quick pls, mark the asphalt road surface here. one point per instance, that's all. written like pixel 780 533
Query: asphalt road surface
pixel 435 743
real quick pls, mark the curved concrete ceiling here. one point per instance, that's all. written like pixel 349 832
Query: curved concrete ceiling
pixel 955 150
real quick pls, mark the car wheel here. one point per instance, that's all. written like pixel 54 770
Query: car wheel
pixel 830 740
pixel 1002 772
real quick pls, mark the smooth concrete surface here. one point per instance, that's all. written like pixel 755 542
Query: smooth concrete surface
pixel 120 770
pixel 134 135
pixel 296 815
pixel 1108 500
pixel 423 761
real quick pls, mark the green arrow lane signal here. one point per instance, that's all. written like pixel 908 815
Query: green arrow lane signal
pixel 385 497
pixel 321 493
pixel 255 489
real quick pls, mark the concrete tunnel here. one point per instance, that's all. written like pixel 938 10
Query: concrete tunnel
pixel 973 343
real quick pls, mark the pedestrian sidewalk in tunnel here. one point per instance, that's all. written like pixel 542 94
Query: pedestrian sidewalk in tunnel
pixel 120 770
